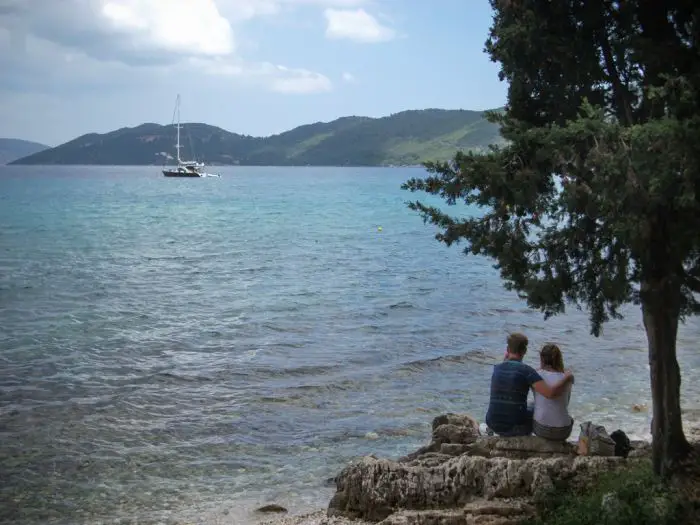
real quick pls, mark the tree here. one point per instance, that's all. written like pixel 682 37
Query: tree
pixel 594 200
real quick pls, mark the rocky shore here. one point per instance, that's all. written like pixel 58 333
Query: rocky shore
pixel 315 518
pixel 461 478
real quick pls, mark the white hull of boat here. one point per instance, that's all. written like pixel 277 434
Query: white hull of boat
pixel 188 174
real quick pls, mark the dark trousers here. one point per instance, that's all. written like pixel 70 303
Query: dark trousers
pixel 523 429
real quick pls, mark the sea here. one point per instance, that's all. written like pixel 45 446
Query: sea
pixel 187 350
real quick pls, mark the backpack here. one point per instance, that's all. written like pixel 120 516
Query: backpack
pixel 595 441
pixel 622 443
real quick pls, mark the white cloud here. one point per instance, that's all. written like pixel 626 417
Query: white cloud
pixel 357 25
pixel 94 65
pixel 241 10
pixel 273 77
pixel 303 82
pixel 192 27
pixel 176 34
pixel 38 65
pixel 134 32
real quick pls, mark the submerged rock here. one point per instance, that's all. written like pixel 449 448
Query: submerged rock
pixel 273 507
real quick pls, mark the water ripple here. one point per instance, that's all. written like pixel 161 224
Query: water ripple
pixel 173 349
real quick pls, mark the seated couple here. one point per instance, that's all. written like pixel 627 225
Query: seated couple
pixel 509 413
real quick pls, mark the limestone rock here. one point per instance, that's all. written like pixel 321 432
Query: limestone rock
pixel 454 434
pixel 464 478
pixel 521 447
pixel 504 512
pixel 460 420
pixel 640 449
pixel 426 517
pixel 374 489
pixel 454 449
pixel 428 459
pixel 448 429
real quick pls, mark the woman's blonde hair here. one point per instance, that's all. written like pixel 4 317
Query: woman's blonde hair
pixel 551 356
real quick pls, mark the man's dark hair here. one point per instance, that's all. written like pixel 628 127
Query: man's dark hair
pixel 517 344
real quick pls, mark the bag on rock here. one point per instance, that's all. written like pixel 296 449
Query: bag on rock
pixel 595 441
pixel 622 443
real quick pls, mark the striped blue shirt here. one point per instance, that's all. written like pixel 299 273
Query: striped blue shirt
pixel 510 384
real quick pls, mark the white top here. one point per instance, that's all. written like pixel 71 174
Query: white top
pixel 553 412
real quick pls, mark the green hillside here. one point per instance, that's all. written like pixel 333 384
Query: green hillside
pixel 405 138
pixel 13 149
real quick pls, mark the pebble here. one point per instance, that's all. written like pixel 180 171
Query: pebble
pixel 315 518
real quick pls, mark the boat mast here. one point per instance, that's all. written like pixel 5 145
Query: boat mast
pixel 177 147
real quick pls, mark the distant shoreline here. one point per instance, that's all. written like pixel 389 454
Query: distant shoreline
pixel 401 139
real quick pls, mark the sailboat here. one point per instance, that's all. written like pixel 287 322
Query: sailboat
pixel 184 168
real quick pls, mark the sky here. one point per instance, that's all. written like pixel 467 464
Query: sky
pixel 255 67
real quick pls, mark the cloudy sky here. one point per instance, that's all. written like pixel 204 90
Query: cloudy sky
pixel 250 66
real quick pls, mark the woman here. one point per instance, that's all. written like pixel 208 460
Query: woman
pixel 551 419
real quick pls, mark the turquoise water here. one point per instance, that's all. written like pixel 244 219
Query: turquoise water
pixel 178 348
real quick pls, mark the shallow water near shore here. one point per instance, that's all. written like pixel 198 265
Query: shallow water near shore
pixel 178 350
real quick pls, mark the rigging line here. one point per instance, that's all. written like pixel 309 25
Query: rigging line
pixel 174 111
pixel 189 138
pixel 172 123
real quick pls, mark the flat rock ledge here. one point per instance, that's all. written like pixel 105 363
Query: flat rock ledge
pixel 463 478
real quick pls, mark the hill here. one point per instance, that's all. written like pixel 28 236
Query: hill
pixel 405 138
pixel 13 149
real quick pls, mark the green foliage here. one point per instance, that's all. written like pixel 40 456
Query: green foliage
pixel 631 497
pixel 625 144
pixel 589 241
pixel 594 200
pixel 406 138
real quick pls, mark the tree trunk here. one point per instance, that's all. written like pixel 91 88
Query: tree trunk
pixel 661 310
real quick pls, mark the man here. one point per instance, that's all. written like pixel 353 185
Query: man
pixel 508 413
